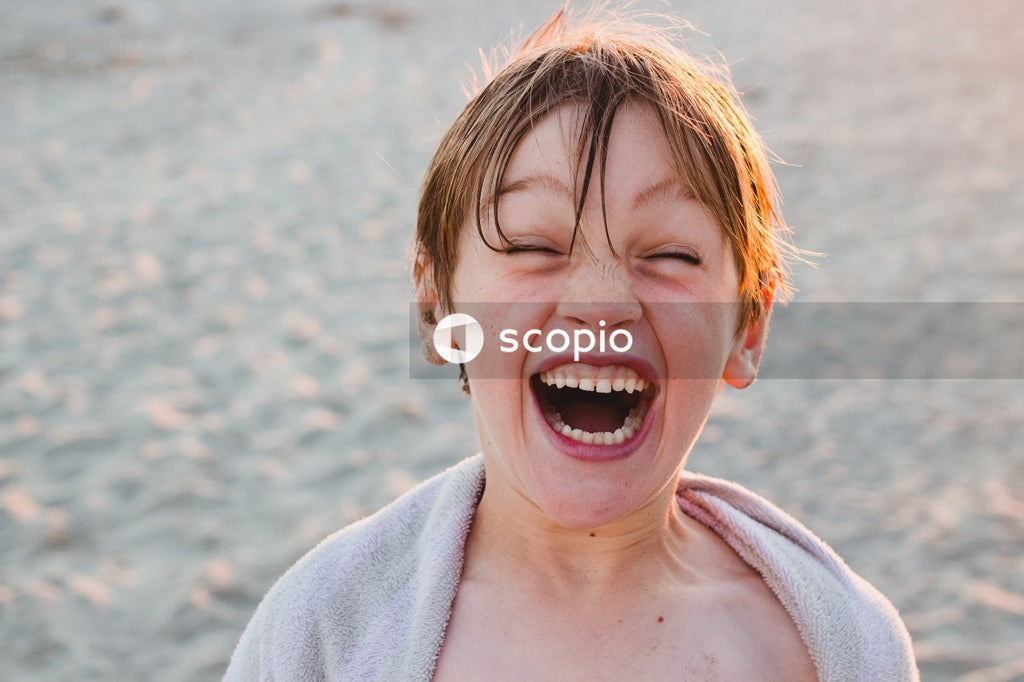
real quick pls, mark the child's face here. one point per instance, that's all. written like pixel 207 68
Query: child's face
pixel 669 254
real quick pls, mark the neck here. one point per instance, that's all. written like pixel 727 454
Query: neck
pixel 514 542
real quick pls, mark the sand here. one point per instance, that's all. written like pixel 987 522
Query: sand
pixel 204 216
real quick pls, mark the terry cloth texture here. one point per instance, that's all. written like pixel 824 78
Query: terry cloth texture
pixel 372 601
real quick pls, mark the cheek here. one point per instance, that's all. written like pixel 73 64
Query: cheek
pixel 505 326
pixel 499 407
pixel 470 266
pixel 697 341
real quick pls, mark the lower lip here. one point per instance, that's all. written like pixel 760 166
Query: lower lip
pixel 594 453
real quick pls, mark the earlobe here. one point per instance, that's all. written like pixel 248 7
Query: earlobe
pixel 427 307
pixel 745 357
pixel 741 367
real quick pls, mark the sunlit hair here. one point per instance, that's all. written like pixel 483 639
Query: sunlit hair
pixel 599 63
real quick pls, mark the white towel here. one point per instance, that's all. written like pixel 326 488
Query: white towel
pixel 852 632
pixel 372 601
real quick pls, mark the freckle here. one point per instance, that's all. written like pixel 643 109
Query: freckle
pixel 593 535
pixel 661 619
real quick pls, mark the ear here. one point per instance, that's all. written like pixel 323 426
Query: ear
pixel 745 356
pixel 427 306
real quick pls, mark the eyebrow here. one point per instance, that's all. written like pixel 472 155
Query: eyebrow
pixel 544 181
pixel 663 190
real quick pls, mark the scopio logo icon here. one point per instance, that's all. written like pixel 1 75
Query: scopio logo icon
pixel 473 333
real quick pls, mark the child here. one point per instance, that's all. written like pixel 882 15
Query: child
pixel 601 182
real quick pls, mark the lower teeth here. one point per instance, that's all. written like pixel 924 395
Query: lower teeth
pixel 628 429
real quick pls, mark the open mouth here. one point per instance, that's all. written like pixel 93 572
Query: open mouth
pixel 593 405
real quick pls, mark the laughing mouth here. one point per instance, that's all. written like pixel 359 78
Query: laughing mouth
pixel 593 405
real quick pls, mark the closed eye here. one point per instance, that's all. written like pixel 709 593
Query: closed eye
pixel 522 247
pixel 685 256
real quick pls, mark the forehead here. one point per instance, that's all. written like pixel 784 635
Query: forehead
pixel 638 166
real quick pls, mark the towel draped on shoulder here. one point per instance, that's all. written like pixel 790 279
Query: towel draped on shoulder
pixel 372 601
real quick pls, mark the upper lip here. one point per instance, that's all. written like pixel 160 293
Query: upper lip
pixel 635 362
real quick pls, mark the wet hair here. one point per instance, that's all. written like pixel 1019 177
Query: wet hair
pixel 599 64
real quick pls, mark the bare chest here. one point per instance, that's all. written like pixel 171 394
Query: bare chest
pixel 706 637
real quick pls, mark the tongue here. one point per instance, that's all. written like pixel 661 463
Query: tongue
pixel 593 417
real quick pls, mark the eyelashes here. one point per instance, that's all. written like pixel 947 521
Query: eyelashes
pixel 522 247
pixel 690 257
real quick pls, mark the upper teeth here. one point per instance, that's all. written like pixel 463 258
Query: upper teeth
pixel 590 378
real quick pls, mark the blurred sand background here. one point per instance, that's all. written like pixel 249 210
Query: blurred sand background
pixel 205 209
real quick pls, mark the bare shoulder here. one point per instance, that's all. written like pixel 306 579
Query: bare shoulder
pixel 750 627
pixel 757 636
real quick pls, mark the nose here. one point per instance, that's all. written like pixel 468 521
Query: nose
pixel 599 294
